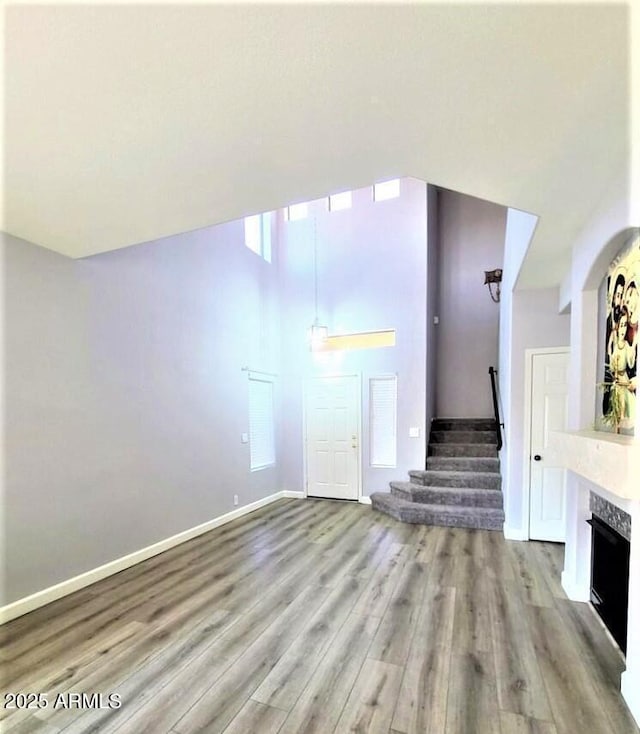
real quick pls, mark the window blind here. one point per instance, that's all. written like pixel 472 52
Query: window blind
pixel 383 398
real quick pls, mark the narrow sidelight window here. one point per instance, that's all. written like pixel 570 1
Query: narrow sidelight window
pixel 261 423
pixel 383 399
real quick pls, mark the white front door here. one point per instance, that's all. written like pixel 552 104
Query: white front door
pixel 549 403
pixel 332 410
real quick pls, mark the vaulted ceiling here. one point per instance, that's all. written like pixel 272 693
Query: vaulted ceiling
pixel 128 123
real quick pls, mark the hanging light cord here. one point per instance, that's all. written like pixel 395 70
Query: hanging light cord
pixel 315 271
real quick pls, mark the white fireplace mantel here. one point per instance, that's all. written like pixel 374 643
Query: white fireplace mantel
pixel 611 462
pixel 606 459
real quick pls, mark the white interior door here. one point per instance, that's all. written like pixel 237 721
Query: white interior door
pixel 333 437
pixel 547 491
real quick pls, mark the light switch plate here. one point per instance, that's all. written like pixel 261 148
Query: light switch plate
pixel 245 438
pixel 414 432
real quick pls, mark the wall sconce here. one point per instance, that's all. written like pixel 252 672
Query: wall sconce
pixel 492 279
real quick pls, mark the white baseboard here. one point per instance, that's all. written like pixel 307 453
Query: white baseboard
pixel 630 689
pixel 289 494
pixel 46 596
pixel 365 500
pixel 511 533
pixel 574 591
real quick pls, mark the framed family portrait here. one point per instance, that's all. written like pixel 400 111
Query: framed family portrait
pixel 621 340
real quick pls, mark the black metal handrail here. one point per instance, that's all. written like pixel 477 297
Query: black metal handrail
pixel 494 392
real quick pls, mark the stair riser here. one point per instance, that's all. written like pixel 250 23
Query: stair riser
pixel 463 449
pixel 473 480
pixel 421 516
pixel 462 424
pixel 404 494
pixel 474 523
pixel 463 437
pixel 472 498
pixel 443 463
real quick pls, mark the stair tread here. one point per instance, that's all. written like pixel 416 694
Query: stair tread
pixel 460 429
pixel 446 496
pixel 474 423
pixel 463 436
pixel 493 459
pixel 409 486
pixel 462 450
pixel 455 509
pixel 444 509
pixel 449 472
pixel 469 444
pixel 459 463
pixel 456 478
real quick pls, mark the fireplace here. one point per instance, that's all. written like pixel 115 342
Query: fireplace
pixel 607 466
pixel 610 578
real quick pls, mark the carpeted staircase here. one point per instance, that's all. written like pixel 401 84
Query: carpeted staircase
pixel 461 484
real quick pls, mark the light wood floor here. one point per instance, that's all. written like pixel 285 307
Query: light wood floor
pixel 319 616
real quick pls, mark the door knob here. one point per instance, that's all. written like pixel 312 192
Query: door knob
pixel 537 457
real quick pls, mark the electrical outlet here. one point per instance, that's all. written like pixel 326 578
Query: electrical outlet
pixel 244 438
pixel 235 499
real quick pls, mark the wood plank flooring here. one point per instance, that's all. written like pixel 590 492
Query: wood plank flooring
pixel 312 616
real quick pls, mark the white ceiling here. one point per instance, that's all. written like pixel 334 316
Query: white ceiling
pixel 129 123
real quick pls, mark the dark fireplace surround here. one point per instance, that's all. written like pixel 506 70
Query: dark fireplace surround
pixel 610 566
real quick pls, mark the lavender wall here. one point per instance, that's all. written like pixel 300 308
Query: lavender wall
pixel 433 301
pixel 472 237
pixel 536 323
pixel 372 270
pixel 125 396
pixel 519 232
